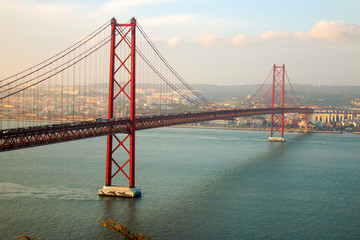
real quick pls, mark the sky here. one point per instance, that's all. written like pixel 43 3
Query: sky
pixel 222 42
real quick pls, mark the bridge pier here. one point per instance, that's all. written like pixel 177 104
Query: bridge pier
pixel 276 139
pixel 119 191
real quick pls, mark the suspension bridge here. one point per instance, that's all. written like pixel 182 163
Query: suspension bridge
pixel 113 83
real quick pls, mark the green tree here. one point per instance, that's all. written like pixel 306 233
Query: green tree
pixel 112 225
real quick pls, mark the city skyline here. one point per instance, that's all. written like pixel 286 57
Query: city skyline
pixel 222 43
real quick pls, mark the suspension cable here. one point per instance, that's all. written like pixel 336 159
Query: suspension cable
pixel 173 71
pixel 104 42
pixel 287 77
pixel 157 72
pixel 95 33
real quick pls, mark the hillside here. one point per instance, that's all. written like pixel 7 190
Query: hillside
pixel 337 96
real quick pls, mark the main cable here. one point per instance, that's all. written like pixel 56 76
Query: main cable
pixel 211 104
pixel 97 31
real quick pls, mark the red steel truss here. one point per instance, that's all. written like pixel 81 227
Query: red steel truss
pixel 278 95
pixel 122 61
pixel 18 138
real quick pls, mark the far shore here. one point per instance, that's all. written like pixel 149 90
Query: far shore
pixel 232 128
pixel 253 129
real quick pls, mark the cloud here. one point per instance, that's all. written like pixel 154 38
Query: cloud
pixel 115 5
pixel 328 31
pixel 338 32
pixel 174 41
pixel 263 38
pixel 48 11
pixel 172 20
pixel 207 40
pixel 331 31
pixel 37 10
pixel 271 35
pixel 238 40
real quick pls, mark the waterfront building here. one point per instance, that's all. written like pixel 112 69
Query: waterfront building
pixel 334 115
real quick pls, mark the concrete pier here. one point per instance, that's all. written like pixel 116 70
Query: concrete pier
pixel 276 139
pixel 119 191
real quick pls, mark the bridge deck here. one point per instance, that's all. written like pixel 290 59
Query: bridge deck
pixel 56 133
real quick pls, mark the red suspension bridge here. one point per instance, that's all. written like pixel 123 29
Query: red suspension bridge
pixel 113 83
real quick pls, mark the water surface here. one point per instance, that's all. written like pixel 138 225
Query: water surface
pixel 196 183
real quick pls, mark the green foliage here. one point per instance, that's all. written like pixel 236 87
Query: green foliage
pixel 112 225
pixel 27 238
pixel 122 230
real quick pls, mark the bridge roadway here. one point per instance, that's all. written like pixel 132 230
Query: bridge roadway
pixel 13 139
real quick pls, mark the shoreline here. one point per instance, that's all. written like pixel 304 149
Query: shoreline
pixel 230 128
pixel 253 129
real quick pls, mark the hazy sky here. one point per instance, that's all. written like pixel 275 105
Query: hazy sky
pixel 207 41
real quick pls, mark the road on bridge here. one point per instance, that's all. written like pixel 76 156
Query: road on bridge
pixel 56 133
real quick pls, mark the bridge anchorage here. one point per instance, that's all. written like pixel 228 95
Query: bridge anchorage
pixel 61 99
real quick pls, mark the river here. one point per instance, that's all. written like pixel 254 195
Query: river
pixel 196 184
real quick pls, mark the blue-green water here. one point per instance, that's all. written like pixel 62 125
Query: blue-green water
pixel 196 183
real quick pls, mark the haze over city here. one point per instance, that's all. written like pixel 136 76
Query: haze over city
pixel 206 41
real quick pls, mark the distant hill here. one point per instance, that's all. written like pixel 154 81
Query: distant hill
pixel 339 96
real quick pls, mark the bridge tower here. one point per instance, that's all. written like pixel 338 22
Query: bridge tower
pixel 278 96
pixel 120 152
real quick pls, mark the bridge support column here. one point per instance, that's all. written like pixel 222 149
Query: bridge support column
pixel 121 89
pixel 278 96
